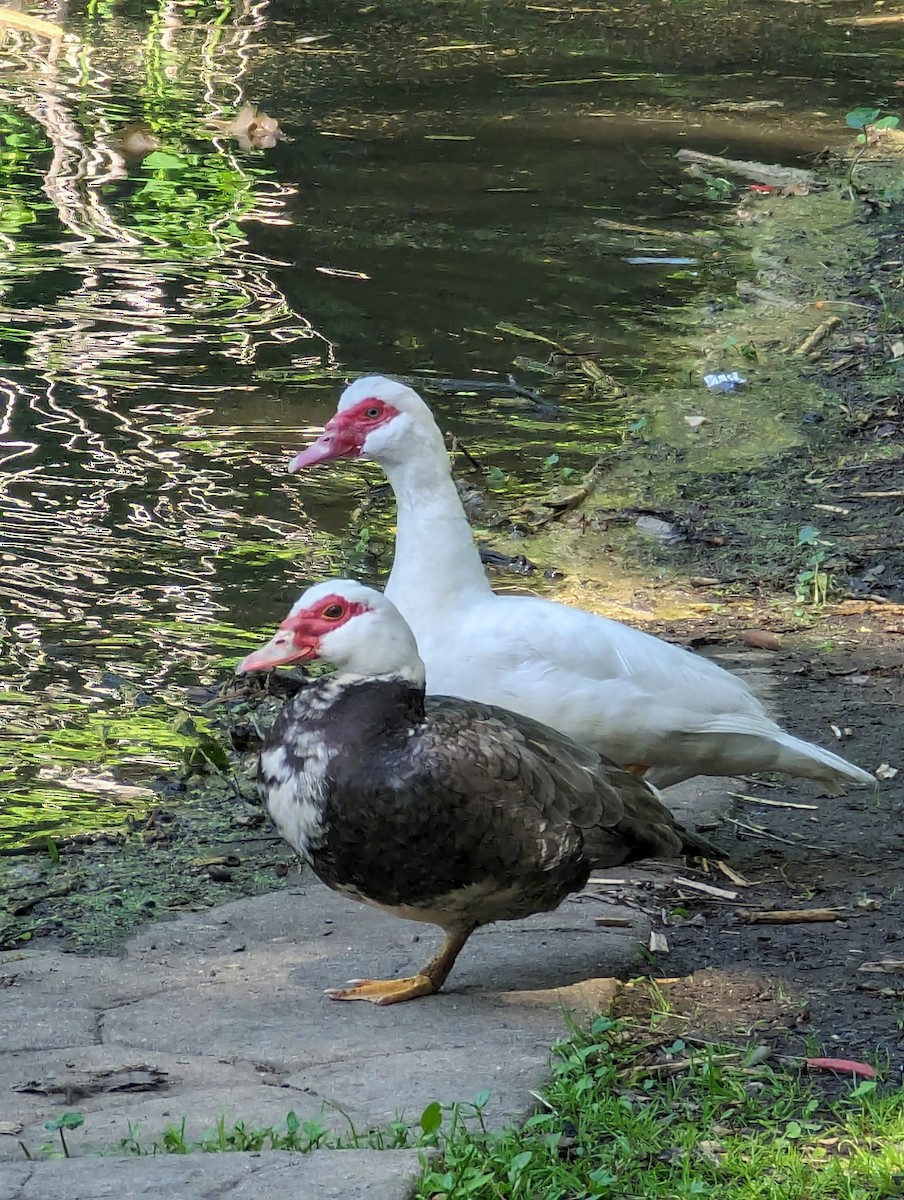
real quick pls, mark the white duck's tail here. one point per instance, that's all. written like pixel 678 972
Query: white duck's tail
pixel 806 760
pixel 737 744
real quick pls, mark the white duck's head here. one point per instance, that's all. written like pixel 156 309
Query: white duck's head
pixel 377 418
pixel 347 624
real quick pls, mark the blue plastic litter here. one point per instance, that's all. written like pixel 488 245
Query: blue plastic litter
pixel 724 382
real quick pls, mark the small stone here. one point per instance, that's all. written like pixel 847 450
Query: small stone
pixel 762 639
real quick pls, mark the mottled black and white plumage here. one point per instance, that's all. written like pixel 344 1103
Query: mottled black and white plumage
pixel 437 809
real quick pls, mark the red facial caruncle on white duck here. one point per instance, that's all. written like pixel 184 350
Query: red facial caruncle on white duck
pixel 344 434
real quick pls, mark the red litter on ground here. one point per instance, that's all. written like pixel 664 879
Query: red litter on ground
pixel 842 1066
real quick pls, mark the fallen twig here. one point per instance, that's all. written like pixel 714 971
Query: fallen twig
pixel 707 888
pixel 819 334
pixel 758 831
pixel 774 174
pixel 773 803
pixel 677 235
pixel 884 19
pixel 790 916
pixel 733 875
pixel 494 386
pixel 683 1064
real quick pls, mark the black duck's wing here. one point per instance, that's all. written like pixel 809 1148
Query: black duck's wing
pixel 557 782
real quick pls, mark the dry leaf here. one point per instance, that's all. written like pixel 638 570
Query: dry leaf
pixel 696 422
pixel 897 349
pixel 885 771
pixel 11 1127
pixel 762 639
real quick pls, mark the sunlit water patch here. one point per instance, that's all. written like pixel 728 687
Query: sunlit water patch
pixel 210 216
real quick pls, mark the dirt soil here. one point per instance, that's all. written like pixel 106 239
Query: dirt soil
pixel 806 987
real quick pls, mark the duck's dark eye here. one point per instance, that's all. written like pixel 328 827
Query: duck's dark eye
pixel 373 412
pixel 333 612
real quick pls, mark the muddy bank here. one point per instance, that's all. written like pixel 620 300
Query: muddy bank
pixel 713 487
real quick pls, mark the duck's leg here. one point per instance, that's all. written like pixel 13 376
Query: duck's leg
pixel 636 769
pixel 393 991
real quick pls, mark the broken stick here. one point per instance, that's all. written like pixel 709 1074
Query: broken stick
pixel 790 916
pixel 819 334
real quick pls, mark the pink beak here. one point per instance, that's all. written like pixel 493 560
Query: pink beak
pixel 340 439
pixel 284 647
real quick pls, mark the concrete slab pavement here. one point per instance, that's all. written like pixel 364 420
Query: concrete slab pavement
pixel 221 1013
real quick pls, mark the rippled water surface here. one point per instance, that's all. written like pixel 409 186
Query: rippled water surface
pixel 180 306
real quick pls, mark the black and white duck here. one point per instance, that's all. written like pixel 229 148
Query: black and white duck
pixel 432 808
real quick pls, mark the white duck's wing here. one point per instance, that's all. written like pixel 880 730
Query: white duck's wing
pixel 634 697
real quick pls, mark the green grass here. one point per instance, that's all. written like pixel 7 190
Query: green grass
pixel 629 1115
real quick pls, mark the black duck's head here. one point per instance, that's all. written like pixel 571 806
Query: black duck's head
pixel 344 623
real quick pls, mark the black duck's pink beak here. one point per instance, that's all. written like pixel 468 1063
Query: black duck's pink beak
pixel 341 438
pixel 286 646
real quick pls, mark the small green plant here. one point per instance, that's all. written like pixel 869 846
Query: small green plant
pixel 551 467
pixel 714 1122
pixel 200 751
pixel 747 350
pixel 869 120
pixel 68 1120
pixel 300 1136
pixel 813 580
pixel 870 123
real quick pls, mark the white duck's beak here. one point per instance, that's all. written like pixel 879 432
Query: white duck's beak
pixel 341 438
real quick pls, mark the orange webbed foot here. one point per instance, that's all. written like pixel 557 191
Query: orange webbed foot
pixel 384 991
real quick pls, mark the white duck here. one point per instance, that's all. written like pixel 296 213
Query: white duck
pixel 650 706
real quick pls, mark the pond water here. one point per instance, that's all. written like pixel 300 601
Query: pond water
pixel 180 306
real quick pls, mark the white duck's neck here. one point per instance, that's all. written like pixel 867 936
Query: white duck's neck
pixel 436 558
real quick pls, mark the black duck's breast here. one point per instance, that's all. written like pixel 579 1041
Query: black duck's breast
pixel 413 812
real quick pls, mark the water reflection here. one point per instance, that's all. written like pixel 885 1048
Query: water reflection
pixel 177 306
pixel 132 306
